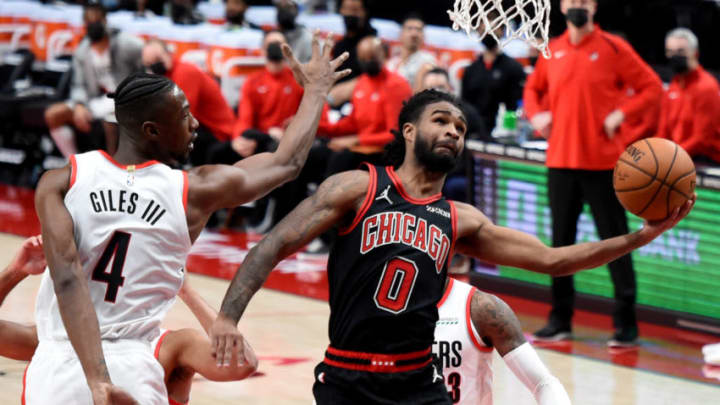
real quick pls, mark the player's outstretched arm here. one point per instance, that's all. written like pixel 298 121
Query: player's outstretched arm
pixel 71 287
pixel 480 238
pixel 18 341
pixel 204 313
pixel 496 322
pixel 220 186
pixel 336 196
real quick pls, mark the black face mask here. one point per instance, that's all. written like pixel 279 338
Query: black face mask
pixel 433 162
pixel 235 19
pixel 352 23
pixel 274 52
pixel 490 42
pixel 371 67
pixel 95 31
pixel 679 64
pixel 577 17
pixel 158 68
pixel 286 18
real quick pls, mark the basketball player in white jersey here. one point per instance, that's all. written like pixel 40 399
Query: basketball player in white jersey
pixel 181 353
pixel 471 324
pixel 117 231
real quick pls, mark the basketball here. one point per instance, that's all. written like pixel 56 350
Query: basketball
pixel 652 177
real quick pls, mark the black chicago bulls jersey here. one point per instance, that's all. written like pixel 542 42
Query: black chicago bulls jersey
pixel 387 269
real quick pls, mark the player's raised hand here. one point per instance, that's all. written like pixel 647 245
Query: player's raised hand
pixel 30 259
pixel 108 394
pixel 320 72
pixel 226 341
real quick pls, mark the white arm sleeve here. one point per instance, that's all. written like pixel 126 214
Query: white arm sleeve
pixel 527 366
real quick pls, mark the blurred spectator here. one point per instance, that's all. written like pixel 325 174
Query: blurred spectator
pixel 269 99
pixel 357 27
pixel 235 15
pixel 101 61
pixel 456 183
pixel 584 83
pixel 690 114
pixel 492 79
pixel 298 37
pixel 184 12
pixel 439 79
pixel 376 101
pixel 412 58
pixel 207 104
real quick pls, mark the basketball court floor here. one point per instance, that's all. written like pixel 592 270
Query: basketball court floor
pixel 287 325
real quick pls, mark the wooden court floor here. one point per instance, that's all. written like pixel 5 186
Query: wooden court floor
pixel 289 333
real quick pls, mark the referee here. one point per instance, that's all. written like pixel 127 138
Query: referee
pixel 582 85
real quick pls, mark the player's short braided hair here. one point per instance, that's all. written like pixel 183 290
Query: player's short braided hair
pixel 410 113
pixel 137 97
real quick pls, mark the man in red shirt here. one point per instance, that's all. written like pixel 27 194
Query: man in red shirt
pixel 207 103
pixel 583 82
pixel 690 114
pixel 376 101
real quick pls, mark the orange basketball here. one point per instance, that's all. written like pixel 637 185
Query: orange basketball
pixel 652 177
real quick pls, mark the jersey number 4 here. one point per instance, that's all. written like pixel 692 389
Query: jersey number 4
pixel 115 251
pixel 396 285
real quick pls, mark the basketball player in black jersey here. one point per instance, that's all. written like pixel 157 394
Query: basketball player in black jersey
pixel 388 266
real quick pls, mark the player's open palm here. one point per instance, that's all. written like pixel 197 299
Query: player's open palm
pixel 226 341
pixel 31 258
pixel 320 72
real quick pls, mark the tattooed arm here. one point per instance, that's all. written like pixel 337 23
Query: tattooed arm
pixel 497 325
pixel 336 196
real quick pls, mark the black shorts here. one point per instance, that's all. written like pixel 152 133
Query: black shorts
pixel 339 386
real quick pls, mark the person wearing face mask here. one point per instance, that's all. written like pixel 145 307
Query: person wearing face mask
pixel 235 15
pixel 492 79
pixel 584 85
pixel 207 103
pixel 376 101
pixel 690 112
pixel 298 37
pixel 357 27
pixel 101 61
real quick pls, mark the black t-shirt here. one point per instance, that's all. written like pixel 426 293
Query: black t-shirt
pixel 349 44
pixel 486 88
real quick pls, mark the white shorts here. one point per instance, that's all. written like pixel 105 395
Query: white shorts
pixel 55 376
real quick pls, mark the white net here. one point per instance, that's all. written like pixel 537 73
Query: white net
pixel 528 20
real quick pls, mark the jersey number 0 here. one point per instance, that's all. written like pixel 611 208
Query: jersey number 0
pixel 116 250
pixel 396 285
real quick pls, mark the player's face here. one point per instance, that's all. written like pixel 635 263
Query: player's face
pixel 440 137
pixel 177 128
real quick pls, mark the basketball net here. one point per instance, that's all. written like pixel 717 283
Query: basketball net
pixel 528 20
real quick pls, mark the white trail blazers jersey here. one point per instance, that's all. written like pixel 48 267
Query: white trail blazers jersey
pixel 132 238
pixel 466 360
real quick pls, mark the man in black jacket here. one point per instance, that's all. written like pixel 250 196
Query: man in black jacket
pixel 357 27
pixel 492 79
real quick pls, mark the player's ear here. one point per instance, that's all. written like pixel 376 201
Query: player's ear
pixel 150 130
pixel 409 131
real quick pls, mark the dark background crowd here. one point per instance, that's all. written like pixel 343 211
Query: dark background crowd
pixel 72 114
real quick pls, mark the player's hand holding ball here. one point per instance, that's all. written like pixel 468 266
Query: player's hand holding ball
pixel 654 179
